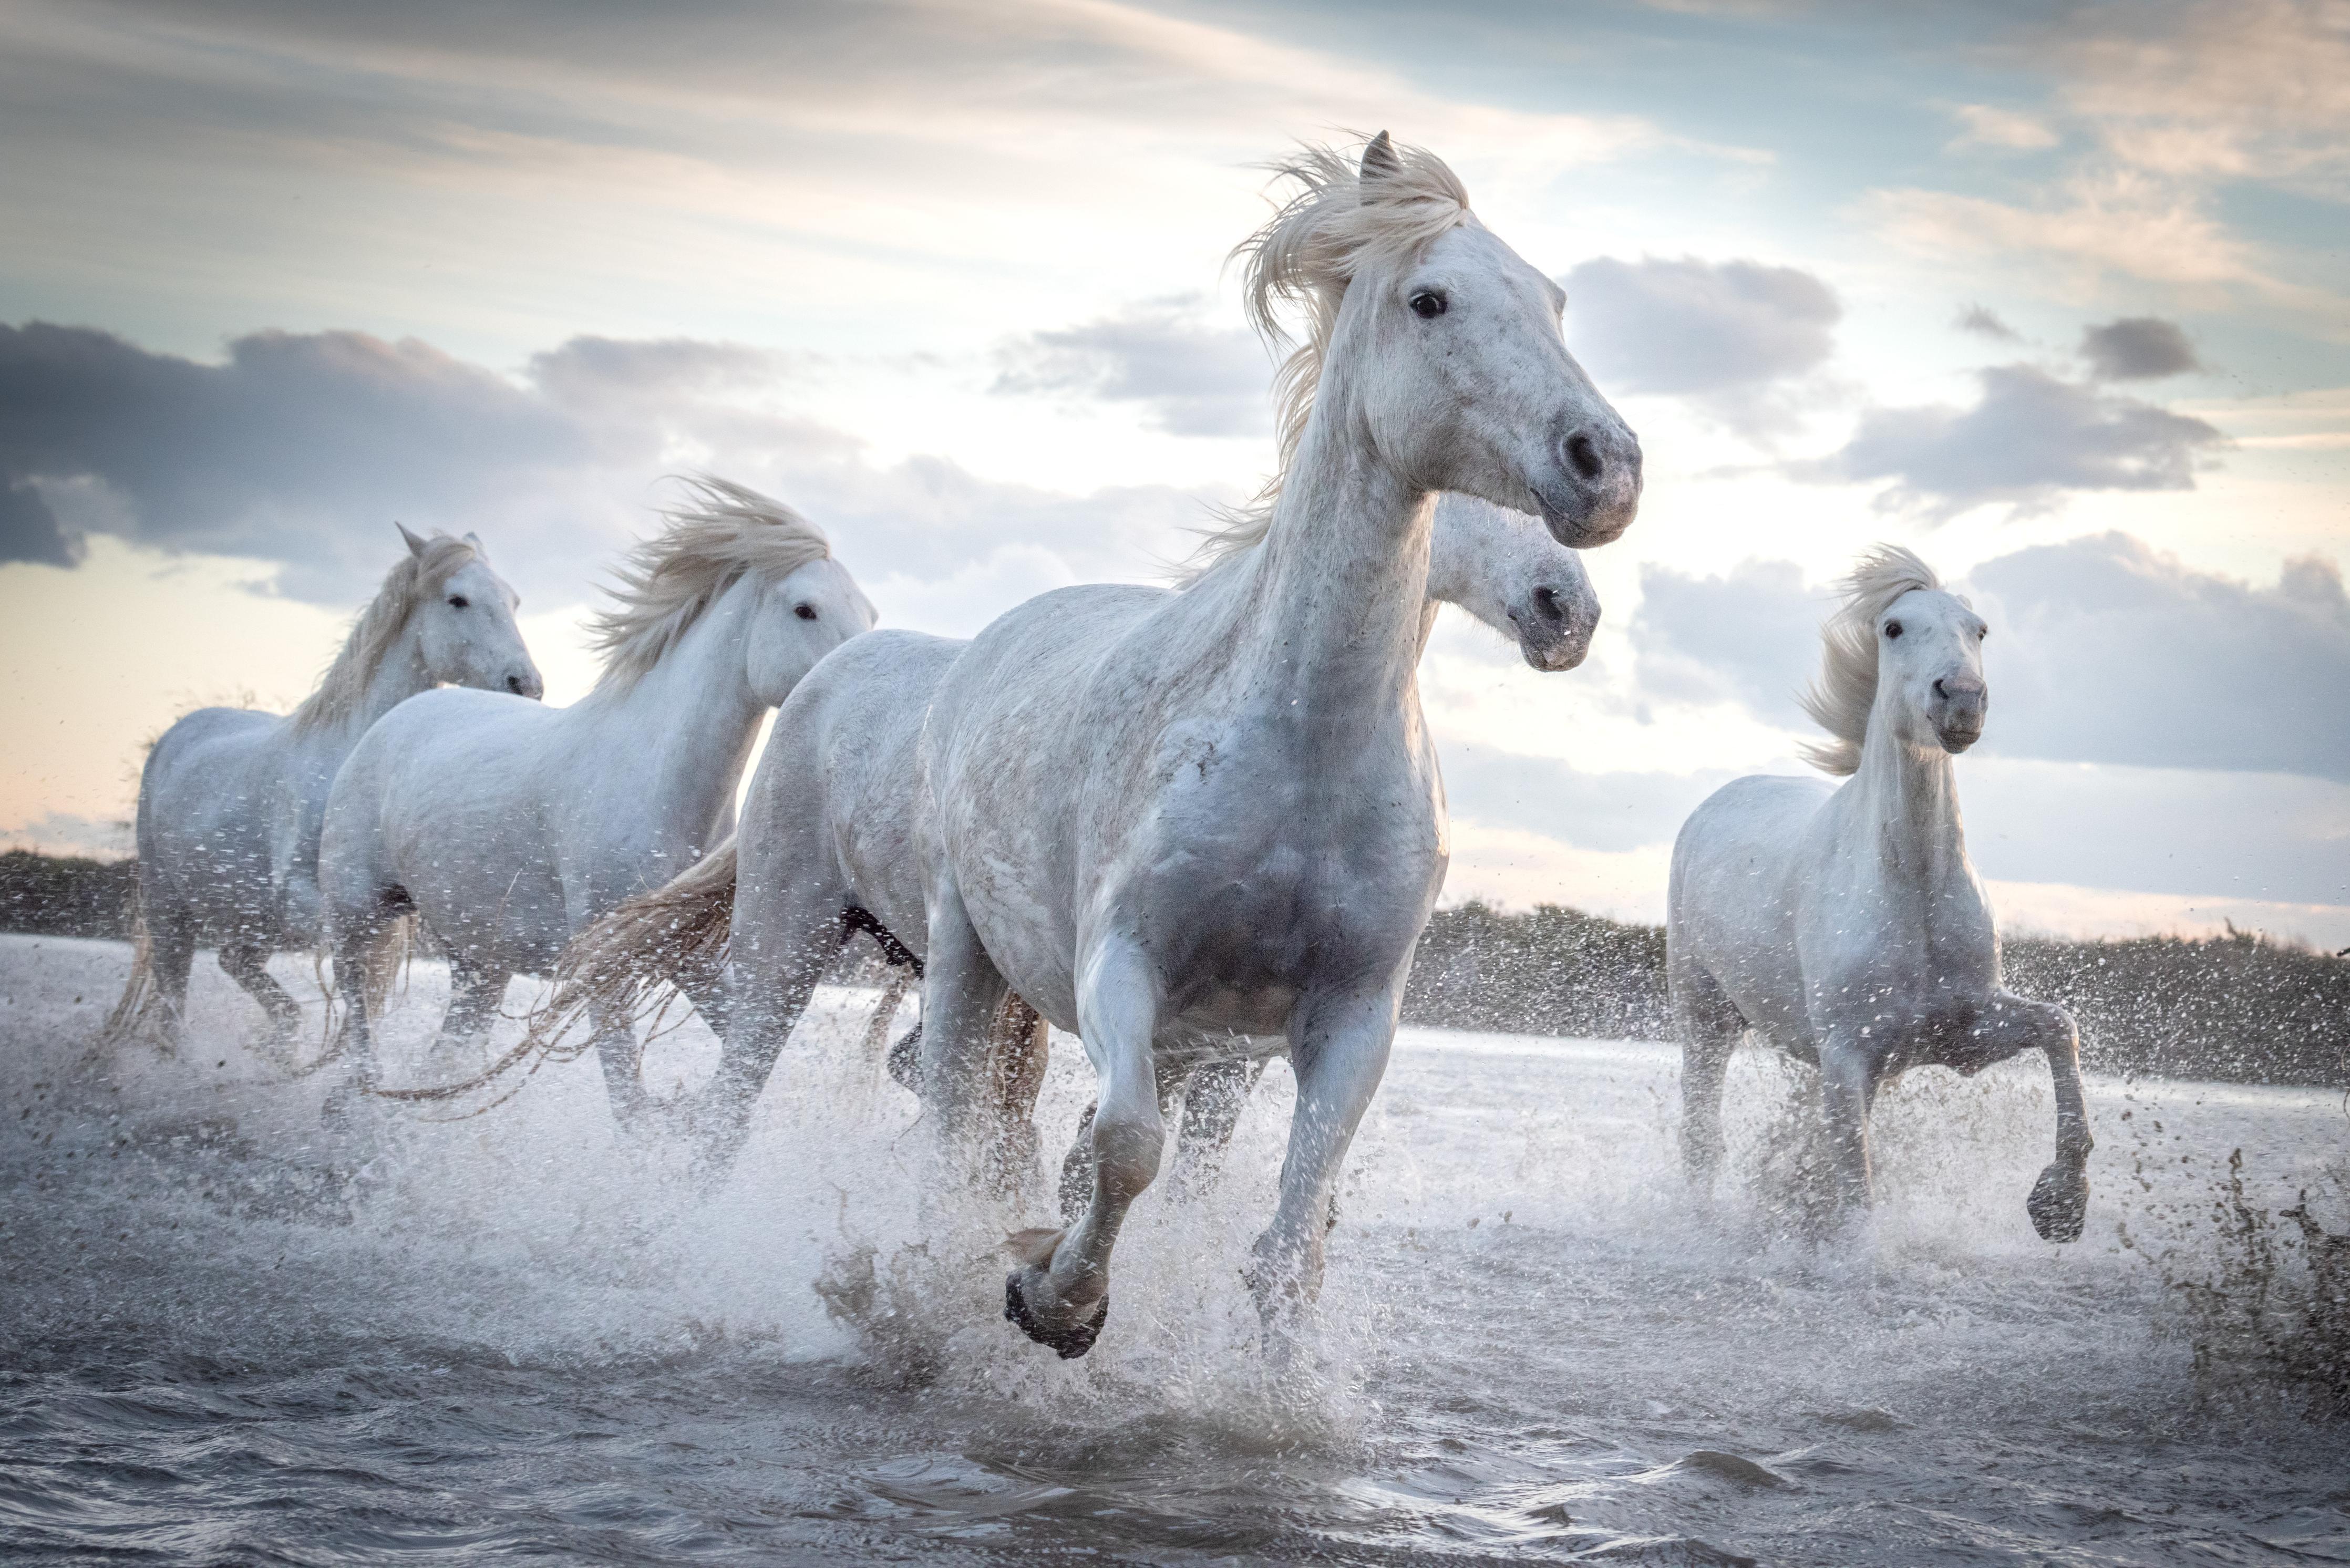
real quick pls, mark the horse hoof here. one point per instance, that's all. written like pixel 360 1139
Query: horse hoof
pixel 2059 1203
pixel 1068 1344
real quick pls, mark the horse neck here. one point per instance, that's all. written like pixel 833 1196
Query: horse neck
pixel 1339 597
pixel 400 675
pixel 688 723
pixel 1908 797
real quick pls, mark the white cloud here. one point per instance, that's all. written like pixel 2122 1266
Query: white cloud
pixel 1989 126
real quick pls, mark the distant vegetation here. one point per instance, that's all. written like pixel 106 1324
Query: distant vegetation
pixel 65 895
pixel 2243 1007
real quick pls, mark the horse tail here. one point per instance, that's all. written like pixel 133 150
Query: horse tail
pixel 384 963
pixel 630 959
pixel 133 1015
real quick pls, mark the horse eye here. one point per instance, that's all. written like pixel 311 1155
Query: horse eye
pixel 1428 304
pixel 806 612
pixel 458 601
pixel 1892 629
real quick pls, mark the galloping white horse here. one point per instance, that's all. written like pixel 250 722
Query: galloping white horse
pixel 1215 813
pixel 230 800
pixel 830 819
pixel 509 827
pixel 1844 924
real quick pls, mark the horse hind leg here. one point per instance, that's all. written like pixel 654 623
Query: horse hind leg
pixel 246 961
pixel 476 993
pixel 154 1003
pixel 1709 1027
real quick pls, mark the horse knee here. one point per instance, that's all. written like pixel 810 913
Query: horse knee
pixel 1127 1151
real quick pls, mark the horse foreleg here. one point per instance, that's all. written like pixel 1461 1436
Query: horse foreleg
pixel 1060 1295
pixel 1848 1076
pixel 1077 1165
pixel 1338 1048
pixel 2059 1203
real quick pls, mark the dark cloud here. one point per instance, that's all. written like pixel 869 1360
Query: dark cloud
pixel 29 529
pixel 2101 652
pixel 2138 349
pixel 303 449
pixel 1721 332
pixel 1192 378
pixel 1985 322
pixel 2029 439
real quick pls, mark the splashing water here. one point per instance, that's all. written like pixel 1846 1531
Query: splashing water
pixel 230 1337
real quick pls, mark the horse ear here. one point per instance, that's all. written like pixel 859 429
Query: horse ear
pixel 415 545
pixel 1379 163
pixel 476 541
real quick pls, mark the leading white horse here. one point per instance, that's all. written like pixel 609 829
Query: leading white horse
pixel 830 827
pixel 230 800
pixel 1845 924
pixel 1215 813
pixel 507 827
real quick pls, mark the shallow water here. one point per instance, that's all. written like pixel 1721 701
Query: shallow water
pixel 230 1338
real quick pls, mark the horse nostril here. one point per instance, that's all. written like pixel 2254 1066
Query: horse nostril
pixel 1546 601
pixel 513 684
pixel 1584 456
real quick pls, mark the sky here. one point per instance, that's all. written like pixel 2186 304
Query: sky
pixel 2054 294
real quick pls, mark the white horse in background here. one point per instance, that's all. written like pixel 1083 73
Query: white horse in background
pixel 1845 924
pixel 831 813
pixel 230 800
pixel 507 827
pixel 1173 817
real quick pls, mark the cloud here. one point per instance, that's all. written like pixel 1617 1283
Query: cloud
pixel 1719 332
pixel 29 531
pixel 1989 127
pixel 1985 322
pixel 1191 377
pixel 2122 655
pixel 1749 635
pixel 2102 651
pixel 2256 89
pixel 303 449
pixel 2029 437
pixel 2138 349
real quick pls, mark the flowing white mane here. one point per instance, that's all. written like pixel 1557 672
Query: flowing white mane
pixel 1840 699
pixel 1347 213
pixel 412 580
pixel 666 581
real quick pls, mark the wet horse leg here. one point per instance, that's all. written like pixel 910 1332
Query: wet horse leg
pixel 246 961
pixel 2008 1025
pixel 1338 1048
pixel 1061 1294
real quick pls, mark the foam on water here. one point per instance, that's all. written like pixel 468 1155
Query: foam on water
pixel 231 1336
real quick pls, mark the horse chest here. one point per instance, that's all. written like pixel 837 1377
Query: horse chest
pixel 1272 878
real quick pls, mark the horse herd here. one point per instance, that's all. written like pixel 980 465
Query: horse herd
pixel 1195 827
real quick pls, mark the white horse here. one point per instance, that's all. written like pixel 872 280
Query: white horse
pixel 230 800
pixel 507 827
pixel 1171 817
pixel 1845 924
pixel 830 820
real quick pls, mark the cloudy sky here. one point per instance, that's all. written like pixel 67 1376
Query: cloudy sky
pixel 2055 295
